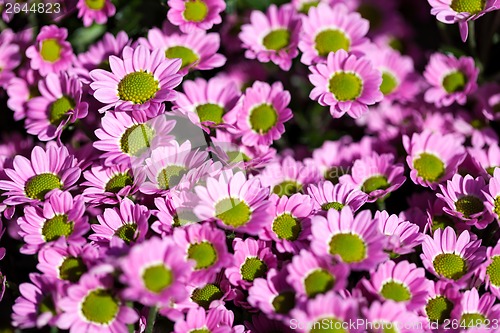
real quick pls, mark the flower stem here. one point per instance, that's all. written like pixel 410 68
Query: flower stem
pixel 381 204
pixel 153 311
pixel 54 329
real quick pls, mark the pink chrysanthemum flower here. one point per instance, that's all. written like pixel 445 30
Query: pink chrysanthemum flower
pixel 155 271
pixel 403 283
pixel 327 196
pixel 389 316
pixel 60 104
pixel 303 6
pixel 272 36
pixel 464 199
pixel 461 12
pixel 291 227
pixel 355 241
pixel 199 320
pixel 207 247
pixel 98 54
pixel 474 310
pixel 30 180
pixel 376 175
pixel 490 270
pixel 451 258
pixel 174 210
pixel 234 202
pixel 346 84
pixel 262 324
pixel 486 159
pixel 311 276
pixel 260 115
pixel 137 80
pixel 92 306
pixel 432 157
pixel 20 91
pixel 190 15
pixel 328 29
pixel 442 298
pixel 197 50
pixel 9 57
pixel 492 194
pixel 61 216
pixel 126 136
pixel 451 79
pixel 252 259
pixel 51 53
pixel 488 96
pixel 97 11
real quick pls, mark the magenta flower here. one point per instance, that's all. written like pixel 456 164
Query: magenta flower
pixel 272 36
pixel 262 324
pixel 327 196
pixel 442 298
pixel 492 195
pixel 9 57
pixel 191 15
pixel 199 320
pixel 486 159
pixel 402 236
pixel 345 83
pixel 174 210
pixel 51 53
pixel 137 80
pixel 20 91
pixel 392 315
pixel 97 11
pixel 473 310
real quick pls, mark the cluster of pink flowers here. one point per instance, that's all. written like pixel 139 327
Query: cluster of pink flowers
pixel 163 181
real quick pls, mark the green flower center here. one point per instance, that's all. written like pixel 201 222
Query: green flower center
pixel 350 247
pixel 127 232
pixel 493 271
pixel 253 268
pixel 95 4
pixel 38 186
pixel 496 209
pixel 59 108
pixel 287 227
pixel 397 44
pixel 469 205
pixel 138 87
pixel 389 83
pixel 288 187
pixel 472 320
pixel 237 156
pixel 468 6
pixel 51 50
pixel 100 306
pixel 372 14
pixel 187 55
pixel 319 281
pixel 375 183
pixel 203 253
pixel 206 295
pixel 335 205
pixel 56 227
pixel 450 265
pixel 210 112
pixel 71 269
pixel 438 309
pixel 170 175
pixel 263 118
pixel 328 325
pixel 441 222
pixel 491 170
pixel 284 302
pixel 396 291
pixel 277 39
pixel 136 139
pixel 429 167
pixel 233 212
pixel 345 86
pixel 117 182
pixel 195 10
pixel 331 41
pixel 307 5
pixel 157 278
pixel 46 305
pixel 201 330
pixel 454 82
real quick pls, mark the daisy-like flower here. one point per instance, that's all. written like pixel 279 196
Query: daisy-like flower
pixel 355 241
pixel 125 136
pixel 311 276
pixel 234 202
pixel 98 54
pixel 328 29
pixel 199 320
pixel 486 159
pixel 197 50
pixel 376 175
pixel 190 15
pixel 20 91
pixel 334 158
pixel 205 245
pixel 30 180
pixel 291 226
pixel 272 36
pixel 129 223
pixel 464 199
pixel 61 216
pixel 260 116
pixel 60 104
pixel 403 282
pixel 433 157
pixel 262 324
pixel 474 311
pixel 441 300
pixel 451 79
pixel 154 272
pixel 451 258
pixel 492 194
pixel 9 57
pixel 174 210
pixel 346 83
pixel 488 96
pixel 137 80
pixel 52 53
pixel 92 306
pixel 490 270
pixel 97 11
pixel 391 315
pixel 327 196
pixel 461 12
pixel 252 259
